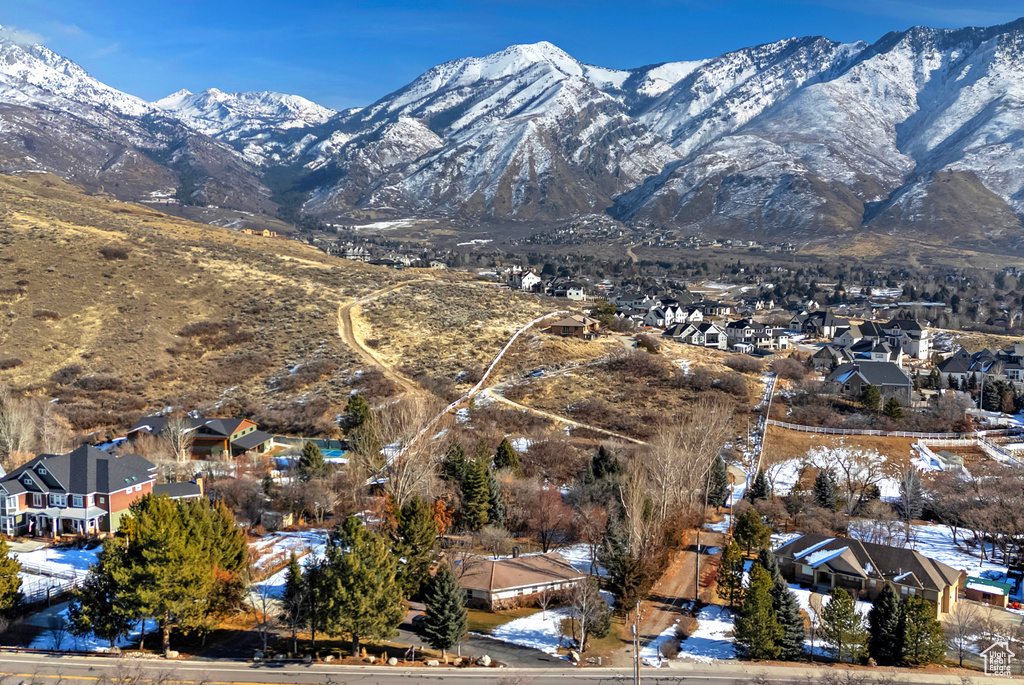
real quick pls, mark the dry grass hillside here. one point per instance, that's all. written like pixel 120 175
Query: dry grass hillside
pixel 445 334
pixel 116 310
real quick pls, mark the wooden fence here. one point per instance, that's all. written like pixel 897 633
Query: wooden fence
pixel 892 434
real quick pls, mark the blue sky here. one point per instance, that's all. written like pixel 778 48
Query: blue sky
pixel 344 54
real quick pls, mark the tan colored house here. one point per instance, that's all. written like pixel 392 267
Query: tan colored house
pixel 822 563
pixel 510 583
pixel 576 327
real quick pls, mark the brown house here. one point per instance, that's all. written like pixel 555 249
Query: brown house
pixel 576 327
pixel 822 563
pixel 211 437
pixel 510 583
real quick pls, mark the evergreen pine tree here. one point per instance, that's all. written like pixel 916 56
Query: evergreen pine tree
pixel 923 639
pixel 893 409
pixel 476 495
pixel 311 462
pixel 365 599
pixel 730 575
pixel 933 378
pixel 751 532
pixel 606 465
pixel 446 621
pixel 100 606
pixel 719 493
pixel 757 628
pixel 952 382
pixel 169 574
pixel 483 452
pixel 885 637
pixel 506 458
pixel 495 501
pixel 842 626
pixel 293 600
pixel 871 398
pixel 10 581
pixel 630 580
pixel 759 489
pixel 455 465
pixel 416 543
pixel 358 411
pixel 826 488
pixel 767 560
pixel 787 610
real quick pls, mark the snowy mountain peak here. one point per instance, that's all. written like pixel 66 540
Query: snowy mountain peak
pixel 237 115
pixel 37 66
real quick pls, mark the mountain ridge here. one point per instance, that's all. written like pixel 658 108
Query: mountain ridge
pixel 801 138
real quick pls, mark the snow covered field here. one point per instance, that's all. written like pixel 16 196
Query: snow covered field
pixel 58 561
pixel 314 541
pixel 538 631
pixel 53 639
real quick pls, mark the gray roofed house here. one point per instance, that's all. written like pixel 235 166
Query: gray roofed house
pixel 211 437
pixel 85 491
pixel 890 379
pixel 822 563
pixel 190 489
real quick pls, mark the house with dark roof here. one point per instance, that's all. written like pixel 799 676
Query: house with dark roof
pixel 910 336
pixel 211 437
pixel 821 563
pixel 509 583
pixel 83 492
pixel 704 334
pixel 576 326
pixel 891 381
pixel 820 324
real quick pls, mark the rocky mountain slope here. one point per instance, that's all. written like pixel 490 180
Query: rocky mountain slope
pixel 917 134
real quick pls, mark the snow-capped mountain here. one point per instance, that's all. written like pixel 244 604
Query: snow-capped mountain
pixel 921 132
pixel 245 119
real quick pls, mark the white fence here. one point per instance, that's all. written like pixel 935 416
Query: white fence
pixel 42 582
pixel 892 434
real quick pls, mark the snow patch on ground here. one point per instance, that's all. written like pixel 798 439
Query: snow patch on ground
pixel 87 643
pixel 540 631
pixel 713 637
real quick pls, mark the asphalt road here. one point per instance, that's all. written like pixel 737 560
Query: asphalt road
pixel 35 669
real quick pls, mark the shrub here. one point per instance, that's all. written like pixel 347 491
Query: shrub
pixel 306 374
pixel 372 343
pixel 734 384
pixel 66 375
pixel 744 363
pixel 240 367
pixel 374 385
pixel 112 252
pixel 10 363
pixel 100 381
pixel 789 369
pixel 638 364
pixel 646 342
pixel 46 314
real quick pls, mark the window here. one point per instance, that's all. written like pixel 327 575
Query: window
pixel 103 499
pixel 806 570
pixel 89 501
pixel 58 500
pixel 37 499
pixel 76 501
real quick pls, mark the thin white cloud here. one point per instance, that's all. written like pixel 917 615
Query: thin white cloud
pixel 20 37
pixel 67 29
pixel 113 47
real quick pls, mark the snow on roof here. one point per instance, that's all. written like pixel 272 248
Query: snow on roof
pixel 903 575
pixel 990 589
pixel 824 555
pixel 812 548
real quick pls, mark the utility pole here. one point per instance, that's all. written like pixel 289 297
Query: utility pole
pixel 636 644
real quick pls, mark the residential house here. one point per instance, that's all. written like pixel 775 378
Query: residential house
pixel 890 379
pixel 821 563
pixel 211 437
pixel 575 326
pixel 716 308
pixel 1005 364
pixel 189 489
pixel 821 324
pixel 910 336
pixel 525 280
pixel 693 315
pixel 855 332
pixel 83 492
pixel 496 584
pixel 704 334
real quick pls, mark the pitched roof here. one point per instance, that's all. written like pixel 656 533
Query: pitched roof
pixel 875 373
pixel 183 490
pixel 252 440
pixel 903 566
pixel 575 321
pixel 84 470
pixel 497 575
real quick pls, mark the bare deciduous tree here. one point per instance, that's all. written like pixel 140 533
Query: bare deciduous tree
pixel 962 628
pixel 179 437
pixel 261 603
pixel 396 446
pixel 495 539
pixel 17 429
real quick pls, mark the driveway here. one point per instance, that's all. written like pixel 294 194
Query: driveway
pixel 476 646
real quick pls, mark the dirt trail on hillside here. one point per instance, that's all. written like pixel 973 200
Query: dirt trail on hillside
pixel 347 332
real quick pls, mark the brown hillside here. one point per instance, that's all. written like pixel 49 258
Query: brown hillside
pixel 116 309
